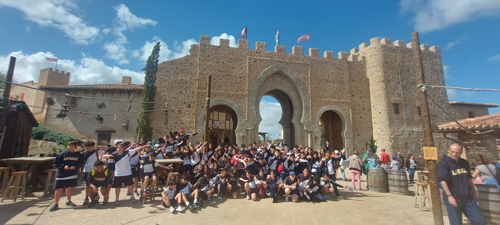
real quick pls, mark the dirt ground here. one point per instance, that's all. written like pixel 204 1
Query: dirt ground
pixel 357 208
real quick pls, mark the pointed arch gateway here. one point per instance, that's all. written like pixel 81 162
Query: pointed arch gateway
pixel 282 83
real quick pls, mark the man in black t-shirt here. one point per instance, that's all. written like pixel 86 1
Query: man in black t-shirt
pixel 456 181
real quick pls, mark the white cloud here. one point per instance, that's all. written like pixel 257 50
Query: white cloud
pixel 28 28
pixel 438 14
pixel 270 112
pixel 178 51
pixel 452 94
pixel 56 13
pixel 494 58
pixel 446 69
pixel 451 44
pixel 106 31
pixel 124 21
pixel 232 40
pixel 87 70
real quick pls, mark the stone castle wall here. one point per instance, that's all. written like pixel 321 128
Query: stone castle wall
pixel 360 87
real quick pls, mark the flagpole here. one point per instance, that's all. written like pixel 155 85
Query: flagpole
pixel 278 37
pixel 309 40
pixel 246 32
pixel 56 64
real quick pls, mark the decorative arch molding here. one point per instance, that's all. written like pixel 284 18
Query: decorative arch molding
pixel 215 102
pixel 301 88
pixel 346 124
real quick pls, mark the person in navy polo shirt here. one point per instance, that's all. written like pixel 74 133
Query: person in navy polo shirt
pixel 67 164
pixel 456 181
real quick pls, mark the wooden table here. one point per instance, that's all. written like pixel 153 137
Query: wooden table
pixel 33 165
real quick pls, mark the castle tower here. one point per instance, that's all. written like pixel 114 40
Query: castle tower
pixel 48 77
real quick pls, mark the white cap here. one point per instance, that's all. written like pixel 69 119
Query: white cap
pixel 336 151
pixel 157 145
pixel 118 141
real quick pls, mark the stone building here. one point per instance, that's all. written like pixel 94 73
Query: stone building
pixel 369 92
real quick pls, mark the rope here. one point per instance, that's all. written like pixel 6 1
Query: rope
pixel 423 89
pixel 93 113
pixel 87 97
pixel 459 88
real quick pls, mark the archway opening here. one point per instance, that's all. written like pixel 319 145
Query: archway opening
pixel 331 127
pixel 222 124
pixel 270 105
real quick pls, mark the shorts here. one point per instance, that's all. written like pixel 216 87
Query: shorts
pixel 65 183
pixel 173 203
pixel 294 192
pixel 100 185
pixel 85 176
pixel 254 191
pixel 185 168
pixel 151 174
pixel 120 181
pixel 136 171
pixel 235 187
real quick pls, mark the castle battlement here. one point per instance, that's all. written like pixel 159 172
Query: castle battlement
pixel 56 72
pixel 397 43
pixel 280 49
pixel 31 82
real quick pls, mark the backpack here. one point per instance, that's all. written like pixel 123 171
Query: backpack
pixel 372 162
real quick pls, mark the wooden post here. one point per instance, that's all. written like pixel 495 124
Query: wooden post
pixel 207 107
pixel 6 95
pixel 428 140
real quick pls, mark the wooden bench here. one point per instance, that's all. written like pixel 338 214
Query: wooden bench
pixel 16 181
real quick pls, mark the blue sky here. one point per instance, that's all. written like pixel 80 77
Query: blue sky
pixel 100 41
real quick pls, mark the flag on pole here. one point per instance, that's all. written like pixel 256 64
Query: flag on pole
pixel 243 32
pixel 51 59
pixel 278 38
pixel 303 38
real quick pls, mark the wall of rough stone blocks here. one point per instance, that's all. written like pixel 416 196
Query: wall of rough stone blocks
pixel 391 70
pixel 361 86
pixel 462 111
pixel 84 126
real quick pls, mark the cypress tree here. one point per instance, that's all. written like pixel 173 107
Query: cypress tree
pixel 148 94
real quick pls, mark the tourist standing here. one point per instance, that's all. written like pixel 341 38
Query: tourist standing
pixel 401 161
pixel 355 166
pixel 456 181
pixel 385 158
pixel 411 166
pixel 486 171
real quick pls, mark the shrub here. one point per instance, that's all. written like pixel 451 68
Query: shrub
pixel 44 133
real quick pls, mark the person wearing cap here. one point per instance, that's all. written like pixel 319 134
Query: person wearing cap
pixel 291 186
pixel 401 161
pixel 394 164
pixel 385 158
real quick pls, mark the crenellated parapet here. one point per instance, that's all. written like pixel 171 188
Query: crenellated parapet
pixel 398 43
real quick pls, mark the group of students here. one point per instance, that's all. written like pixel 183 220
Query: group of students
pixel 257 171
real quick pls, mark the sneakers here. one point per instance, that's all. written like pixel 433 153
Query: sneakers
pixel 95 200
pixel 340 197
pixel 326 196
pixel 90 205
pixel 70 204
pixel 360 190
pixel 248 197
pixel 145 193
pixel 190 206
pixel 128 193
pixel 195 205
pixel 54 207
pixel 308 198
pixel 104 202
pixel 132 199
pixel 286 199
pixel 86 201
pixel 171 209
pixel 117 202
pixel 219 197
pixel 179 209
pixel 272 200
pixel 211 202
pixel 136 193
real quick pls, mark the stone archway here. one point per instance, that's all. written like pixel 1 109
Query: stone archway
pixel 230 108
pixel 333 114
pixel 282 82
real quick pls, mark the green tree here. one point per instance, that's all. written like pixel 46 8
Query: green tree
pixel 373 146
pixel 148 94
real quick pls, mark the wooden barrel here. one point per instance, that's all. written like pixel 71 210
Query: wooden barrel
pixel 489 202
pixel 377 180
pixel 398 182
